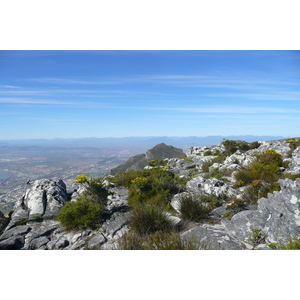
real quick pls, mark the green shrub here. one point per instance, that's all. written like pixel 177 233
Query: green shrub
pixel 95 193
pixel 22 221
pixel 186 158
pixel 243 177
pixel 291 176
pixel 219 159
pixel 232 146
pixel 258 237
pixel 125 179
pixel 216 152
pixel 236 206
pixel 159 241
pixel 259 189
pixel 228 215
pixel 193 210
pixel 153 186
pixel 157 162
pixel 212 201
pixel 262 175
pixel 80 214
pixel 254 145
pixel 208 153
pixel 293 244
pixel 87 211
pixel 206 165
pixel 147 219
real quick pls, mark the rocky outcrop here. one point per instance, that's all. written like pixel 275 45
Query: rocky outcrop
pixel 277 217
pixel 294 166
pixel 45 233
pixel 43 199
pixel 211 186
pixel 3 222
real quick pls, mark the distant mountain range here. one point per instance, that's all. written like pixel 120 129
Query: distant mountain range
pixel 140 143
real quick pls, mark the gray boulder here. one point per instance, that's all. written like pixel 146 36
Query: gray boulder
pixel 278 215
pixel 98 240
pixel 3 222
pixel 242 159
pixel 38 243
pixel 16 231
pixel 15 242
pixel 42 199
pixel 215 237
pixel 294 166
pixel 202 186
pixel 116 222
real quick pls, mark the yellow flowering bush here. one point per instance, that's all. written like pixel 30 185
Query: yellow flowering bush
pixel 139 182
pixel 81 179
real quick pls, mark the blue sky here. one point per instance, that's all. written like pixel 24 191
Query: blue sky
pixel 74 94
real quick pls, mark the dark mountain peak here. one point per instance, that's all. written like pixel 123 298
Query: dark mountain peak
pixel 138 162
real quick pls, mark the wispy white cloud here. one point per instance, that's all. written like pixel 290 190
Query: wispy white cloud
pixel 280 95
pixel 9 86
pixel 187 81
pixel 39 101
pixel 69 81
pixel 196 109
pixel 235 109
pixel 63 120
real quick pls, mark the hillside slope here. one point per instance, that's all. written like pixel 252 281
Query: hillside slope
pixel 138 162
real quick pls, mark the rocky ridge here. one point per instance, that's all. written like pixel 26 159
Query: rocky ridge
pixel 276 217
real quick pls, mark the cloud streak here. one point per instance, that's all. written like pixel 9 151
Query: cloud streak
pixel 196 109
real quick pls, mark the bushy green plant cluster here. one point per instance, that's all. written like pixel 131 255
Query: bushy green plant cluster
pixel 218 159
pixel 150 192
pixel 236 206
pixel 258 236
pixel 155 186
pixel 157 163
pixel 193 210
pixel 207 153
pixel 80 215
pixel 232 146
pixel 87 211
pixel 148 218
pixel 293 244
pixel 197 209
pixel 186 158
pixel 262 175
pixel 218 174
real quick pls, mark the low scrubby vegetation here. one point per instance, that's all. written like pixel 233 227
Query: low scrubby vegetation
pixel 156 186
pixel 148 219
pixel 89 208
pixel 293 145
pixel 262 175
pixel 150 193
pixel 232 146
pixel 193 210
pixel 218 159
pixel 197 209
pixel 159 241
